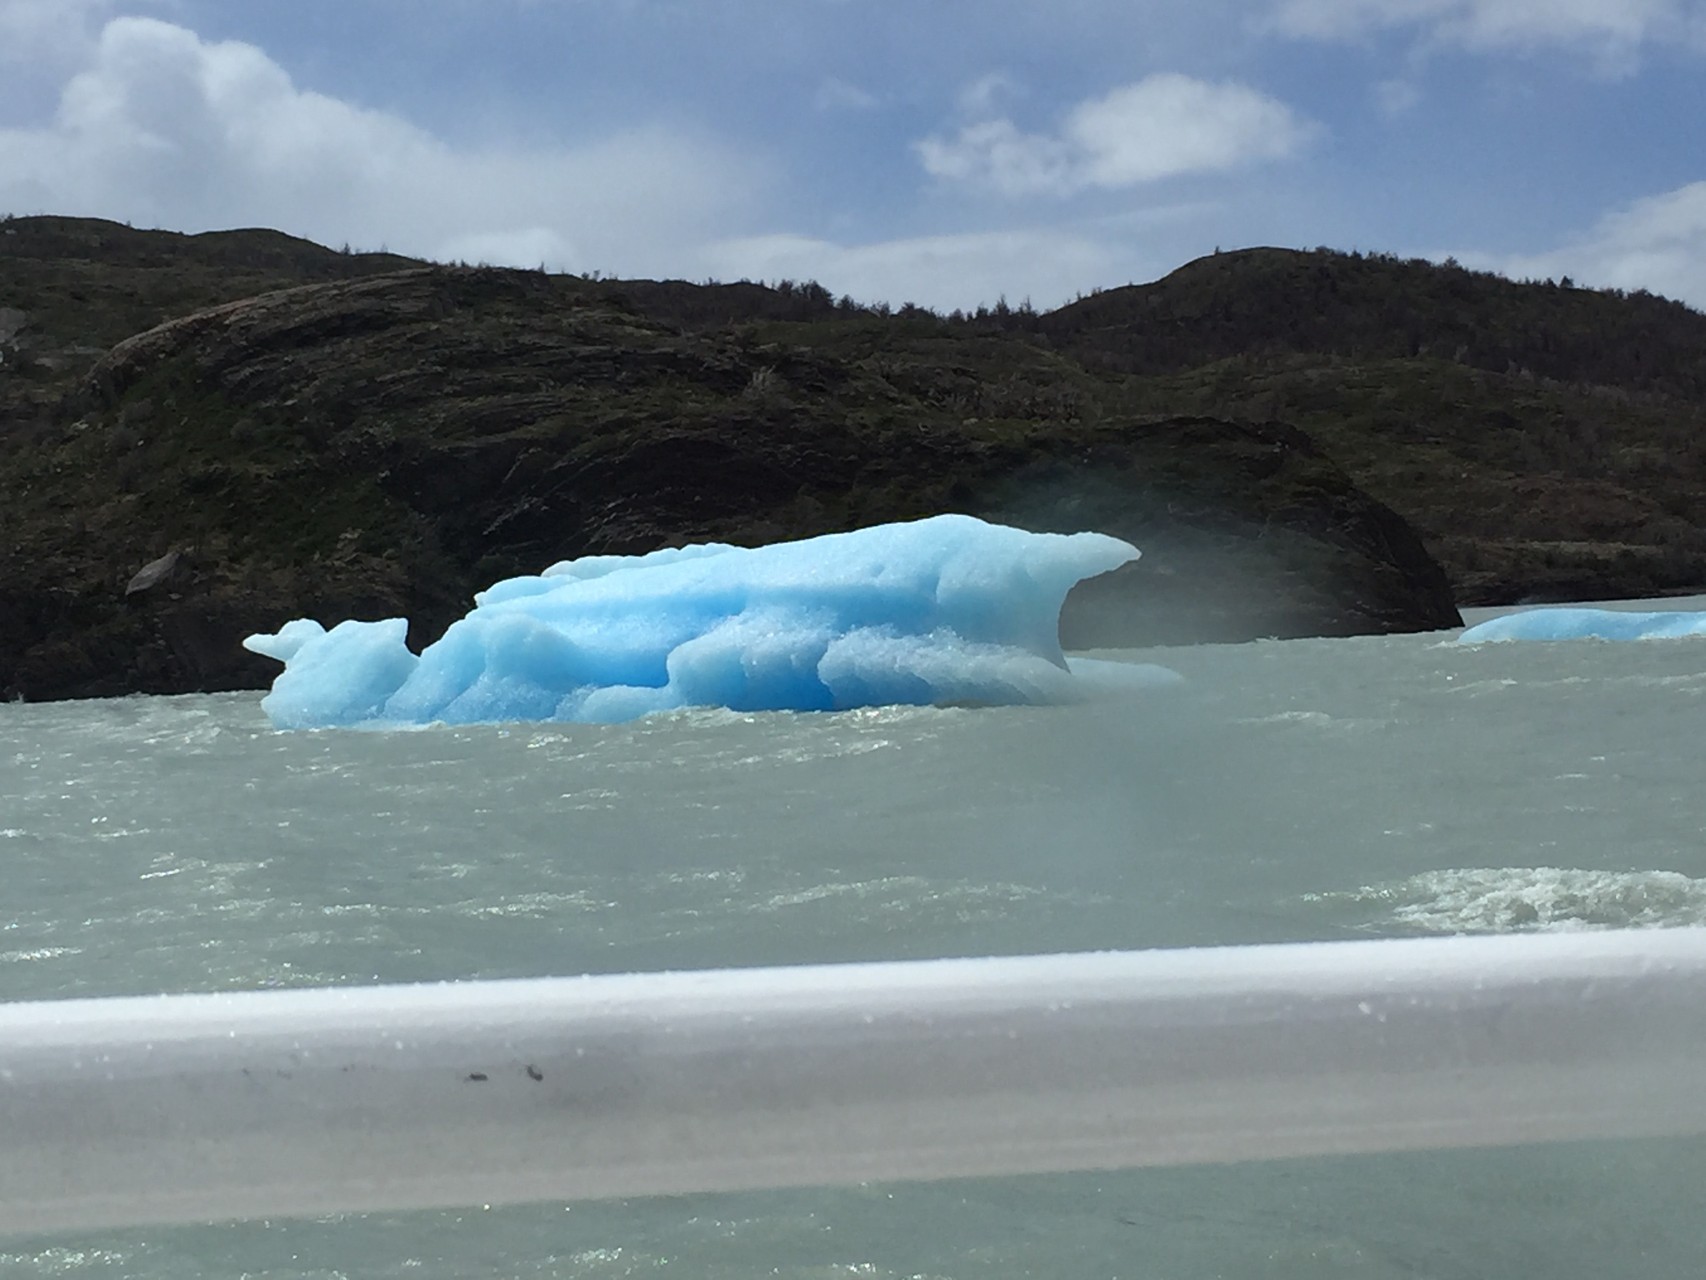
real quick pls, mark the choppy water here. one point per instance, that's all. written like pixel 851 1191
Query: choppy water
pixel 1297 790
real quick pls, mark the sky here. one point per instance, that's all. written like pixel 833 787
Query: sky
pixel 942 152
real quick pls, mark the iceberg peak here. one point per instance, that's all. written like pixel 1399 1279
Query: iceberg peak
pixel 948 609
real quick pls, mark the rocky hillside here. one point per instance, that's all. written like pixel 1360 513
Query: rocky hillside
pixel 389 444
pixel 1548 442
pixel 345 435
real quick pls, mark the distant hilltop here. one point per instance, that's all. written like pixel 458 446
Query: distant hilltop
pixel 1301 442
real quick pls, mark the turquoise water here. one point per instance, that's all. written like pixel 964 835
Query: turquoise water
pixel 1296 790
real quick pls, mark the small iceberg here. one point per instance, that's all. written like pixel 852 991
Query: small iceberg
pixel 1586 624
pixel 948 610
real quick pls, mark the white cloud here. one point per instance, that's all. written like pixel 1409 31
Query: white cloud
pixel 836 94
pixel 941 272
pixel 44 41
pixel 164 128
pixel 524 246
pixel 1612 29
pixel 34 29
pixel 995 153
pixel 982 96
pixel 1160 127
pixel 1657 243
pixel 1170 124
pixel 1395 97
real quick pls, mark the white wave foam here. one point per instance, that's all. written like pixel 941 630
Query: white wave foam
pixel 1314 719
pixel 38 953
pixel 1529 899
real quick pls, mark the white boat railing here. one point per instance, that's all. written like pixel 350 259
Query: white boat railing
pixel 194 1108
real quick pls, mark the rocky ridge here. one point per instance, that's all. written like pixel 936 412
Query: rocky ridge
pixel 387 444
pixel 203 435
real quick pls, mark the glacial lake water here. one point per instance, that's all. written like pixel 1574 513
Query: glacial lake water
pixel 1295 790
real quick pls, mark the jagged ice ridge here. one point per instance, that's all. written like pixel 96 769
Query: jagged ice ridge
pixel 945 610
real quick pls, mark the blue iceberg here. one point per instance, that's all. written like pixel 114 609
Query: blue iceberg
pixel 1586 624
pixel 939 611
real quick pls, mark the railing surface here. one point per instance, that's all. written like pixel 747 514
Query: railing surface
pixel 202 1107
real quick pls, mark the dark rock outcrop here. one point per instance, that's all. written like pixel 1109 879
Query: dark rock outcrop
pixel 158 572
pixel 390 444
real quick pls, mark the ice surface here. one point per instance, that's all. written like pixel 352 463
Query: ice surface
pixel 944 610
pixel 1586 624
